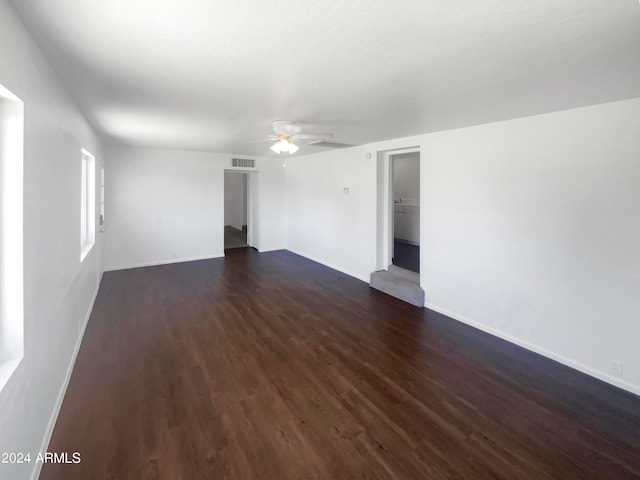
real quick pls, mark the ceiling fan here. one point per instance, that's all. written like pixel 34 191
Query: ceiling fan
pixel 288 132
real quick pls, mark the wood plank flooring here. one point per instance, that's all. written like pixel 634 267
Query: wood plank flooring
pixel 270 366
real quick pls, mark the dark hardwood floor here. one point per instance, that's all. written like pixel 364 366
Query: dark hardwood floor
pixel 271 366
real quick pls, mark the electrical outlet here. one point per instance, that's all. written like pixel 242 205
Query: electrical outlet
pixel 345 190
pixel 616 368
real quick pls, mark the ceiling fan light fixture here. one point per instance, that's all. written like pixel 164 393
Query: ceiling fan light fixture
pixel 276 147
pixel 284 144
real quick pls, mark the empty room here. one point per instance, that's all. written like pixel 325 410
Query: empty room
pixel 295 239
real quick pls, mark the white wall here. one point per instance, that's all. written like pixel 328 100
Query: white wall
pixel 529 228
pixel 168 205
pixel 324 223
pixel 406 177
pixel 269 206
pixel 58 289
pixel 235 199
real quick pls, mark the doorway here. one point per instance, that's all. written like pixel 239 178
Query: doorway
pixel 405 181
pixel 398 205
pixel 236 209
pixel 398 226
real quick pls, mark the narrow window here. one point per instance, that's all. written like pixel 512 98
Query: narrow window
pixel 88 204
pixel 11 211
pixel 101 196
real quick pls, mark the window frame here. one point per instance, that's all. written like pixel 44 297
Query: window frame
pixel 87 204
pixel 11 234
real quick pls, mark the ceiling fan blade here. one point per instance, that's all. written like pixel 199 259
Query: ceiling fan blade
pixel 266 138
pixel 311 136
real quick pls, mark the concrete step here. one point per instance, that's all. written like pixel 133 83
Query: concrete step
pixel 399 283
pixel 404 273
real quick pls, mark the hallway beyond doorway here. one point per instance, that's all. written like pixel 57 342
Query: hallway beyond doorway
pixel 234 238
pixel 406 255
pixel 236 209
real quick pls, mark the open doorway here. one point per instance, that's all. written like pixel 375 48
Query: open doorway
pixel 405 174
pixel 398 209
pixel 398 226
pixel 236 209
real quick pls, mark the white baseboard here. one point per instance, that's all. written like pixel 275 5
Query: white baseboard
pixel 331 265
pixel 264 250
pixel 162 262
pixel 37 466
pixel 408 242
pixel 537 349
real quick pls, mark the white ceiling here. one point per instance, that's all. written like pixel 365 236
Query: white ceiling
pixel 212 75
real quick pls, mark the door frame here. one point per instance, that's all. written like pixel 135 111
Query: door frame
pixel 385 205
pixel 251 202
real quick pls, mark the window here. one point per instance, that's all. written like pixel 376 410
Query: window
pixel 11 207
pixel 88 204
pixel 101 197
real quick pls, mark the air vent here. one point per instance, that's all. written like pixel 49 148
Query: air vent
pixel 325 144
pixel 243 163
